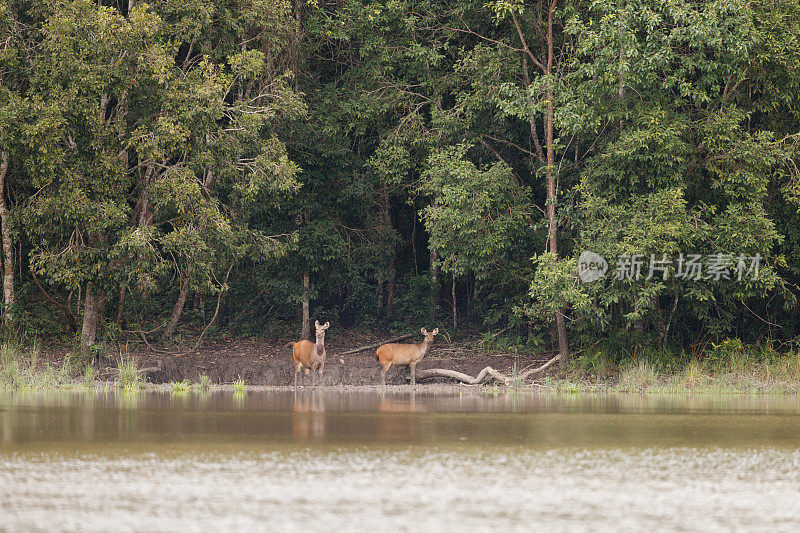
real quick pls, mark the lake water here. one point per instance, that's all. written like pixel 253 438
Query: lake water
pixel 361 461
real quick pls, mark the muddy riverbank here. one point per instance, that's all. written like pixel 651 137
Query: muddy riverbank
pixel 270 364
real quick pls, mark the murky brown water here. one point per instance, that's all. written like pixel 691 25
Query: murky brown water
pixel 321 461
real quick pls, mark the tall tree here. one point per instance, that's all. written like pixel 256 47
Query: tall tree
pixel 13 78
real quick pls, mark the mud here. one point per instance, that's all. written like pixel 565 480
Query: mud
pixel 269 363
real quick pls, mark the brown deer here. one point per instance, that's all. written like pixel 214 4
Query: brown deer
pixel 308 355
pixel 404 355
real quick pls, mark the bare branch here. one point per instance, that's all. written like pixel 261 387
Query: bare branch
pixel 525 47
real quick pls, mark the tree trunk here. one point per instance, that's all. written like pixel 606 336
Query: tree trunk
pixel 552 231
pixel 434 284
pixel 390 295
pixel 620 69
pixel 306 320
pixel 176 311
pixel 8 247
pixel 91 317
pixel 199 305
pixel 414 242
pixel 455 303
pixel 379 297
pixel 388 280
pixel 547 156
pixel 122 291
pixel 293 49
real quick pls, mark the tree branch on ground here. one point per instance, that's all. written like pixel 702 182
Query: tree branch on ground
pixel 483 376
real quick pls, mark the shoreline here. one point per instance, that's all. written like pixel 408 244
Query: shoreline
pixel 265 365
pixel 563 386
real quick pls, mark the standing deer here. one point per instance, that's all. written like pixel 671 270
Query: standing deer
pixel 404 355
pixel 308 355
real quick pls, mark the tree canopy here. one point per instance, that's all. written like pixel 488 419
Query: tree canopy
pixel 384 163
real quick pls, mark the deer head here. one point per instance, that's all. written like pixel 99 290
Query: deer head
pixel 429 336
pixel 321 331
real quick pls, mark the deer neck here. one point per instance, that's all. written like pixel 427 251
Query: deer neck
pixel 422 348
pixel 319 347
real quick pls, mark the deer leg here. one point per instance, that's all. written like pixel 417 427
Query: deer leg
pixel 384 370
pixel 297 367
pixel 413 376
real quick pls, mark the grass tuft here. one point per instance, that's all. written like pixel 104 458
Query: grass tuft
pixel 180 387
pixel 129 378
pixel 89 375
pixel 694 375
pixel 22 371
pixel 638 377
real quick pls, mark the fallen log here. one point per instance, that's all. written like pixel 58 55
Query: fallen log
pixel 111 371
pixel 538 370
pixel 483 376
pixel 157 368
pixel 376 345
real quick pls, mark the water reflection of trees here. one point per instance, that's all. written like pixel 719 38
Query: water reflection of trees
pixel 547 420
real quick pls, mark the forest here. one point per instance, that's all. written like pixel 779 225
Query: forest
pixel 179 165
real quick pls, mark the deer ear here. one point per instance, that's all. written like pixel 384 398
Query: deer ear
pixel 316 323
pixel 424 331
pixel 327 325
pixel 436 331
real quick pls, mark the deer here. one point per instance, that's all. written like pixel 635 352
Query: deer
pixel 404 355
pixel 308 355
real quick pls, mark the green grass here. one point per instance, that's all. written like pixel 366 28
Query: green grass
pixel 9 354
pixel 769 373
pixel 89 375
pixel 130 388
pixel 515 382
pixel 21 370
pixel 239 386
pixel 638 377
pixel 129 379
pixel 565 385
pixel 180 387
pixel 492 389
pixel 205 382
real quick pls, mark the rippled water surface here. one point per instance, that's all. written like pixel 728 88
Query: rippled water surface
pixel 328 460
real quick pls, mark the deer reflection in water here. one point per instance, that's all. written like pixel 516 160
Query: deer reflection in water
pixel 308 416
pixel 398 416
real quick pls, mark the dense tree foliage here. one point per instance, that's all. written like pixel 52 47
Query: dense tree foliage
pixel 380 163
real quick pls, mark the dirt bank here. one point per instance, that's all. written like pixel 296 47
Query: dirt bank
pixel 261 362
